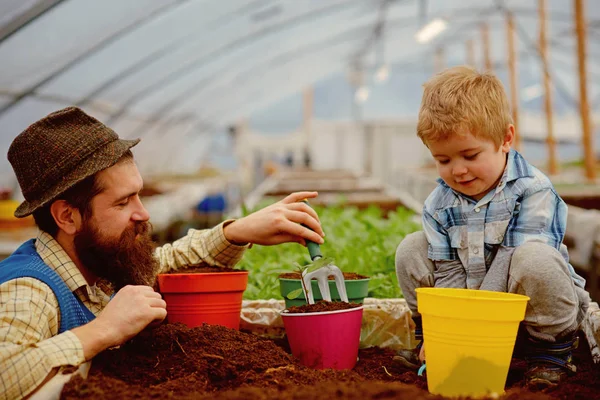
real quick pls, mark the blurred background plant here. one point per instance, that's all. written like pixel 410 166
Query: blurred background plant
pixel 360 241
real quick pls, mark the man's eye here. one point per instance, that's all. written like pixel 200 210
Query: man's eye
pixel 124 203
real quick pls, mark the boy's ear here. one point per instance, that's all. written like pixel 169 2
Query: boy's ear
pixel 509 137
pixel 66 216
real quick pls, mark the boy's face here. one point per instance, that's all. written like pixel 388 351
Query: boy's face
pixel 470 165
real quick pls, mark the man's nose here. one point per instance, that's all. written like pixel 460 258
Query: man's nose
pixel 140 213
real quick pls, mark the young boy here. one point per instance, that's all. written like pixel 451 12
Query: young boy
pixel 494 222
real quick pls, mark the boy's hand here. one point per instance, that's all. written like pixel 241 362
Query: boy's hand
pixel 422 354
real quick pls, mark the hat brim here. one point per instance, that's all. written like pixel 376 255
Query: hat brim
pixel 103 158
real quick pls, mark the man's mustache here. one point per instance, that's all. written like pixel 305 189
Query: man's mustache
pixel 142 228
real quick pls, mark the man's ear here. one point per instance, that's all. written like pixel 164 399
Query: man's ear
pixel 67 217
pixel 509 138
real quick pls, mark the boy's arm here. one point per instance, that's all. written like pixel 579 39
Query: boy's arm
pixel 440 246
pixel 542 217
pixel 450 274
pixel 449 270
pixel 496 278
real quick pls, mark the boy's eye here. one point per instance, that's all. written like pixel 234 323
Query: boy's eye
pixel 472 157
pixel 443 161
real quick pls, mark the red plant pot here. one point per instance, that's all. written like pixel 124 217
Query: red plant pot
pixel 213 298
pixel 324 339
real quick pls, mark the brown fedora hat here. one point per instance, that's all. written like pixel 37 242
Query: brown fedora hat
pixel 59 151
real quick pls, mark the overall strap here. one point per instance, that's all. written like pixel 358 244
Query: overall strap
pixel 26 262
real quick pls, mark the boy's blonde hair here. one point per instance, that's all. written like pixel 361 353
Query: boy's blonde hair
pixel 460 99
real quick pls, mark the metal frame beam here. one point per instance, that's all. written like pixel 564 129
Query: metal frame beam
pixel 191 67
pixel 90 51
pixel 26 18
pixel 264 65
pixel 161 53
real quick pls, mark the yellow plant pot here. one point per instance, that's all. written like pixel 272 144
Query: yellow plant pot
pixel 469 339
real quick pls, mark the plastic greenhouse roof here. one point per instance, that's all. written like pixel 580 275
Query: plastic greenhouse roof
pixel 185 69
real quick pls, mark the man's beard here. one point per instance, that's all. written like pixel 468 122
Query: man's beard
pixel 126 260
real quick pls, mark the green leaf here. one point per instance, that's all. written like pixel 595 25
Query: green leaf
pixel 294 293
pixel 319 263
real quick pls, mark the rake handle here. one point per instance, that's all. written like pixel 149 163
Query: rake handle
pixel 313 248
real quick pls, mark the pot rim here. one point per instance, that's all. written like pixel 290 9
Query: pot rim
pixel 204 273
pixel 331 280
pixel 312 314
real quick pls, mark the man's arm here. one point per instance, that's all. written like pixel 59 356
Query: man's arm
pixel 29 345
pixel 288 220
pixel 208 246
pixel 30 348
pixel 128 313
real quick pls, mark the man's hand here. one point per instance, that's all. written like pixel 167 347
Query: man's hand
pixel 278 223
pixel 128 313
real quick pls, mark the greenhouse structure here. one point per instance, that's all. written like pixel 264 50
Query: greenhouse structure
pixel 285 199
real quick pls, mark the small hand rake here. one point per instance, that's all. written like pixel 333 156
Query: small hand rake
pixel 322 275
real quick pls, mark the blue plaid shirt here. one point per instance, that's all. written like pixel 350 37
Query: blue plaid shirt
pixel 523 207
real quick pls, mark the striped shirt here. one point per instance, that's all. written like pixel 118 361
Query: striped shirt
pixel 30 346
pixel 523 207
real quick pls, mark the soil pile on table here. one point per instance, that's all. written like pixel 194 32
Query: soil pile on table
pixel 176 362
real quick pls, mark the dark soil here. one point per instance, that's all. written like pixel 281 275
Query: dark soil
pixel 201 269
pixel 348 276
pixel 321 306
pixel 213 362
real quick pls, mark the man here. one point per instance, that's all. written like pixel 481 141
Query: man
pixel 82 186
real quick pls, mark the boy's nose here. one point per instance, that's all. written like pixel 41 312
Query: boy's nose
pixel 459 169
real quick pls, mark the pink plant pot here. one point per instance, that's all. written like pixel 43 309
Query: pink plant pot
pixel 324 339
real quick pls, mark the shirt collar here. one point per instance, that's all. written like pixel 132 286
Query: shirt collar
pixel 57 258
pixel 516 167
